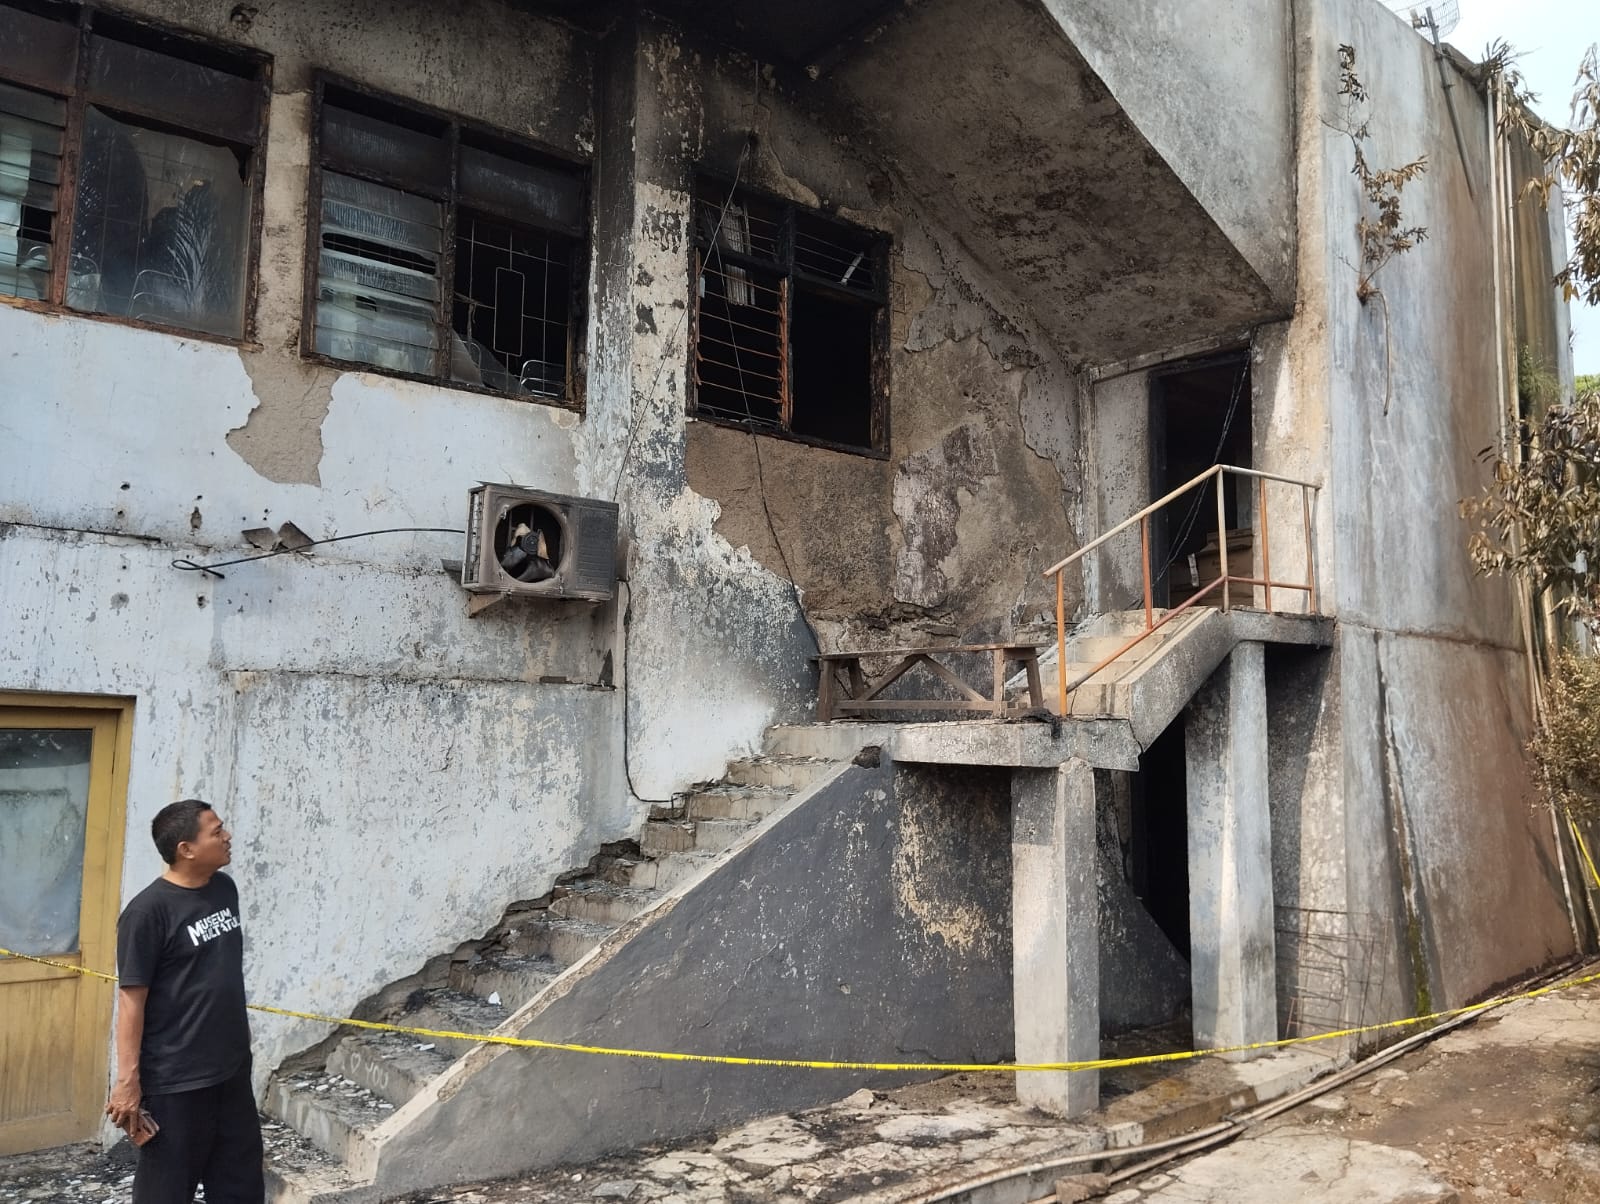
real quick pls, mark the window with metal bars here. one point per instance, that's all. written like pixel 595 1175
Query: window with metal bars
pixel 130 168
pixel 790 329
pixel 442 251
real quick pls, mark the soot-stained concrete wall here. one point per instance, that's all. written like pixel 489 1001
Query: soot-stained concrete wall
pixel 1140 48
pixel 981 485
pixel 343 712
pixel 1433 693
pixel 869 923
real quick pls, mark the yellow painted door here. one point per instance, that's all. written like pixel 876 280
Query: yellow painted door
pixel 63 774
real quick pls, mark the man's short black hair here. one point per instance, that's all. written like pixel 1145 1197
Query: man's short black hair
pixel 176 823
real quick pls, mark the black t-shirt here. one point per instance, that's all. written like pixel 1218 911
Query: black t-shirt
pixel 185 944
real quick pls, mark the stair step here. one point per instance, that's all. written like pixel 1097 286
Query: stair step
pixel 792 773
pixel 664 873
pixel 512 978
pixel 602 902
pixel 330 1111
pixel 701 835
pixel 391 1066
pixel 830 741
pixel 453 1011
pixel 659 837
pixel 563 939
pixel 738 801
pixel 1092 650
pixel 297 1172
pixel 621 871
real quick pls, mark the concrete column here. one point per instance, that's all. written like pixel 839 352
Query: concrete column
pixel 1231 957
pixel 1055 934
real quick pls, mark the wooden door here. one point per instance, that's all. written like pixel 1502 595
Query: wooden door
pixel 63 779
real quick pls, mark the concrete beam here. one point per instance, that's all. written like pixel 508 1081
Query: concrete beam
pixel 1231 953
pixel 1055 934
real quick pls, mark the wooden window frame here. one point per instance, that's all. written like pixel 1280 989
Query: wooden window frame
pixel 77 102
pixel 711 186
pixel 455 124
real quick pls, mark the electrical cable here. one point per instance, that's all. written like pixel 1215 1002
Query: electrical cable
pixel 1216 458
pixel 755 438
pixel 210 570
pixel 666 351
pixel 761 479
pixel 627 686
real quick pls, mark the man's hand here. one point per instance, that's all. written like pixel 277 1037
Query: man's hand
pixel 123 1106
pixel 126 1096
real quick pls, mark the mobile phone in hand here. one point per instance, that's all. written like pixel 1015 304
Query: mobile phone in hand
pixel 143 1128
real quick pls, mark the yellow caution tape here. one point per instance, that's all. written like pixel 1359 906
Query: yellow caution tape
pixel 1583 848
pixel 915 1067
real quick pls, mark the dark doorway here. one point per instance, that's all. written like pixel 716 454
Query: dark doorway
pixel 1199 416
pixel 1160 847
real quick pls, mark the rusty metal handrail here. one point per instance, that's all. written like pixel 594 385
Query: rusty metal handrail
pixel 1223 580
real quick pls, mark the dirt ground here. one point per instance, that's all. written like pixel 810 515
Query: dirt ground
pixel 1505 1108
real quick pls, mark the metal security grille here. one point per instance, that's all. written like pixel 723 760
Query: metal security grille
pixel 446 252
pixel 789 334
pixel 512 305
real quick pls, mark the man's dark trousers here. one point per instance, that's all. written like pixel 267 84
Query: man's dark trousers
pixel 211 1136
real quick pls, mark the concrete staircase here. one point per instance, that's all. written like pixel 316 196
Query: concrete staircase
pixel 327 1109
pixel 1149 684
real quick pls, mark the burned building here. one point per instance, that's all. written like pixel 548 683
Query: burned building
pixel 779 331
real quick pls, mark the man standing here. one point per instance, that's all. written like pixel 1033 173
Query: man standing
pixel 182 1090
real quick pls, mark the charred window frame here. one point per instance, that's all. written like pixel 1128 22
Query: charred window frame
pixel 790 331
pixel 443 251
pixel 131 169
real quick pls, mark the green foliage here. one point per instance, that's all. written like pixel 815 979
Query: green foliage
pixel 1589 383
pixel 1381 228
pixel 1540 520
pixel 1567 745
pixel 1538 386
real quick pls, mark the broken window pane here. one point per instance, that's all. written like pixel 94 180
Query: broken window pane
pixel 513 301
pixel 831 341
pixel 30 173
pixel 455 269
pixel 739 349
pixel 830 252
pixel 378 275
pixel 160 227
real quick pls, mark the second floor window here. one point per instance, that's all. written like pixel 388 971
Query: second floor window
pixel 791 321
pixel 130 169
pixel 442 251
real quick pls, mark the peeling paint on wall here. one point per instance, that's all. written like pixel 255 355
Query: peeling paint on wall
pixel 281 438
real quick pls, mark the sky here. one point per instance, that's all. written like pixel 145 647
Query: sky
pixel 1550 37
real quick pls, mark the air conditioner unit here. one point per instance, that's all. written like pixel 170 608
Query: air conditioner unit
pixel 526 543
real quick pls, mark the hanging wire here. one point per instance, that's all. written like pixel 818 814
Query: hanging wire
pixel 210 570
pixel 1216 458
